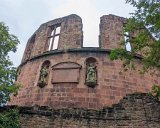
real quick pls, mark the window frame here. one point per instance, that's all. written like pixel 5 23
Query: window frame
pixel 52 36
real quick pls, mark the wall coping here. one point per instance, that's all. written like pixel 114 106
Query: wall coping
pixel 75 50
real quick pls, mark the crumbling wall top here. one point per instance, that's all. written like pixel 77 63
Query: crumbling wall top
pixel 58 34
pixel 113 17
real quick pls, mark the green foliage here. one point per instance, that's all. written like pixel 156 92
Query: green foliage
pixel 124 55
pixel 5 91
pixel 144 29
pixel 8 43
pixel 10 119
pixel 120 54
pixel 155 92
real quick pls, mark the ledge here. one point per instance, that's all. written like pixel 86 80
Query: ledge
pixel 76 50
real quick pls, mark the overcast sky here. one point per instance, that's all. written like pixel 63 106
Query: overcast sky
pixel 25 16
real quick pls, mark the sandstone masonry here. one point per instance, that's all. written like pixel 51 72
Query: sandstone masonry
pixel 133 111
pixel 64 85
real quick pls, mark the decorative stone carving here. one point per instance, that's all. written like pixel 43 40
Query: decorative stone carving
pixel 43 78
pixel 66 72
pixel 91 72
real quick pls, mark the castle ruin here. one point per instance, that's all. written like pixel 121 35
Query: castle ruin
pixel 58 72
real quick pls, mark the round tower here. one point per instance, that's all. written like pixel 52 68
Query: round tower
pixel 57 71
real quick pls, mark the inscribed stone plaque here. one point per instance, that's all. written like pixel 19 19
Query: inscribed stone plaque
pixel 66 72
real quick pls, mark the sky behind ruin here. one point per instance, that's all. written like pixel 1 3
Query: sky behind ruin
pixel 25 16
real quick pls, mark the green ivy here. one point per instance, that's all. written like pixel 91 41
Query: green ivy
pixel 9 119
pixel 124 55
pixel 155 92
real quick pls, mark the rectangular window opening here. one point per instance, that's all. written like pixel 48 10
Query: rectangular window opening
pixel 127 41
pixel 128 47
pixel 58 29
pixel 54 37
pixel 52 33
pixel 55 42
pixel 50 43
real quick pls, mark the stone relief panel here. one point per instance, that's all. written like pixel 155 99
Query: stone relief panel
pixel 66 72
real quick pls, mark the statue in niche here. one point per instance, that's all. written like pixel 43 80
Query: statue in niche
pixel 91 75
pixel 43 76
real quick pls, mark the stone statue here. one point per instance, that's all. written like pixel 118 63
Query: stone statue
pixel 91 73
pixel 43 75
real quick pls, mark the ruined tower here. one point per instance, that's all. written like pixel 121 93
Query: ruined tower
pixel 57 71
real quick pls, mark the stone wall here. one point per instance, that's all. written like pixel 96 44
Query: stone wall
pixel 111 84
pixel 71 36
pixel 111 31
pixel 66 85
pixel 134 111
pixel 70 102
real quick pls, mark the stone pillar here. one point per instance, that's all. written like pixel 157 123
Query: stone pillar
pixel 111 31
pixel 71 35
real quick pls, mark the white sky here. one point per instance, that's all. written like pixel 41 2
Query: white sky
pixel 25 16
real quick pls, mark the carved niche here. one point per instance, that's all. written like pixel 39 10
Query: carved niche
pixel 91 72
pixel 66 72
pixel 44 73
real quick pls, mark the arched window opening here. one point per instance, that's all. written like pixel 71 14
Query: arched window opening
pixel 91 72
pixel 54 37
pixel 44 73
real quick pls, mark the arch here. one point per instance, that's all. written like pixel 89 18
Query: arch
pixel 46 62
pixel 91 60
